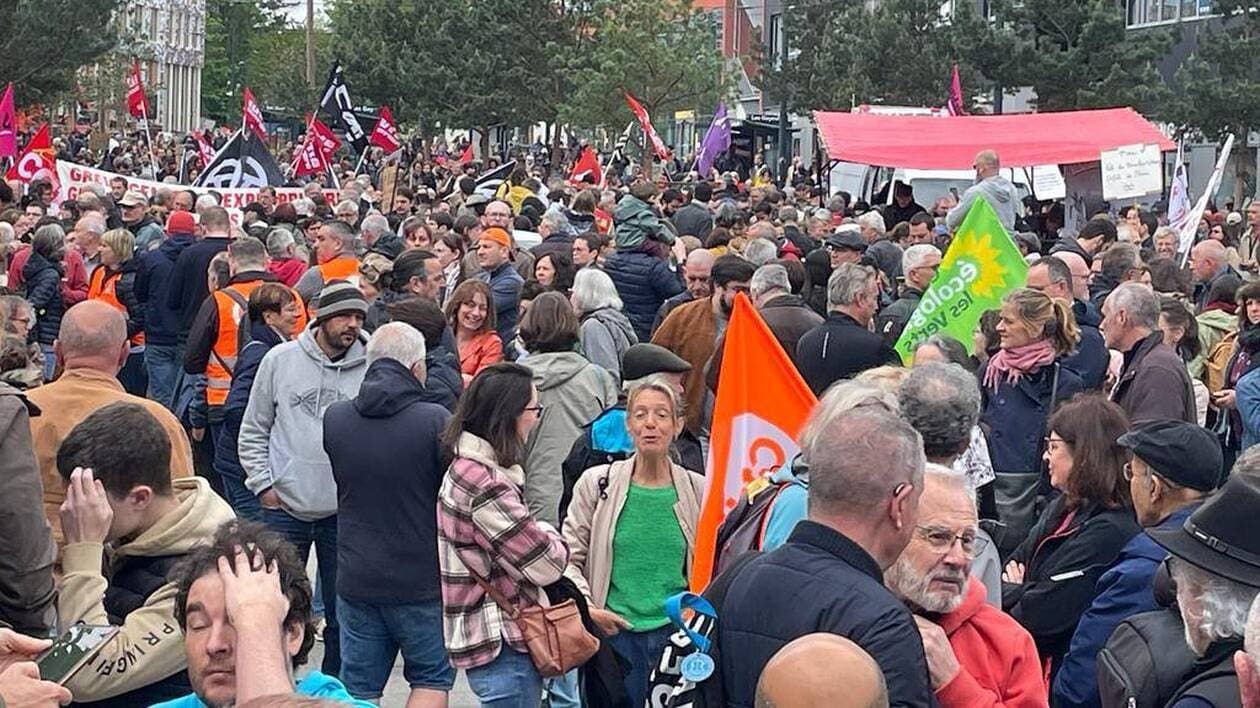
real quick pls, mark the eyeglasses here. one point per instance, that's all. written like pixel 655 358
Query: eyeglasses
pixel 942 540
pixel 536 409
pixel 1053 440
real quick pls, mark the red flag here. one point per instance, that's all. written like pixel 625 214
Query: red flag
pixel 325 138
pixel 204 148
pixel 385 134
pixel 8 124
pixel 587 164
pixel 311 158
pixel 955 105
pixel 467 155
pixel 645 122
pixel 252 115
pixel 38 160
pixel 762 404
pixel 137 102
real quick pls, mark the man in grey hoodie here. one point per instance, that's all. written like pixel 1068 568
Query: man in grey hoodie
pixel 992 186
pixel 281 440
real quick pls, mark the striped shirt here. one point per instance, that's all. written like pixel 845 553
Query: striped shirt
pixel 484 525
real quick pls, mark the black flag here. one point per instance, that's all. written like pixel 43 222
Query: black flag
pixel 488 182
pixel 243 163
pixel 337 104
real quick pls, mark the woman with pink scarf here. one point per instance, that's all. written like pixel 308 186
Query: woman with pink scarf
pixel 1020 385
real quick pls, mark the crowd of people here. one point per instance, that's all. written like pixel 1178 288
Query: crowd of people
pixel 457 411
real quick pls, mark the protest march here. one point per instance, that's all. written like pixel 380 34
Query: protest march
pixel 364 418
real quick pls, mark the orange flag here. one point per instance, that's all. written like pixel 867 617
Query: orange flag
pixel 762 404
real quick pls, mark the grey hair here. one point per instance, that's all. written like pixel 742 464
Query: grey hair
pixel 92 222
pixel 760 251
pixel 848 395
pixel 593 289
pixel 857 457
pixel 788 215
pixel 942 402
pixel 1222 604
pixel 1252 635
pixel 6 233
pixel 916 255
pixel 727 213
pixel 768 278
pixel 1139 301
pixel 398 341
pixel 820 214
pixel 947 476
pixel 656 382
pixel 847 281
pixel 11 305
pixel 872 220
pixel 374 224
pixel 47 239
pixel 303 206
pixel 347 205
pixel 1119 259
pixel 1165 231
pixel 279 241
pixel 205 201
pixel 557 221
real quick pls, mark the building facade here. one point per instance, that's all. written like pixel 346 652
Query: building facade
pixel 168 38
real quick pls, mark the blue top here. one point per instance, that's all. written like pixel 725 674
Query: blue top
pixel 788 508
pixel 315 685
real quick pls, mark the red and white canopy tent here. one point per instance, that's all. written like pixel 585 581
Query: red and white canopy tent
pixel 951 143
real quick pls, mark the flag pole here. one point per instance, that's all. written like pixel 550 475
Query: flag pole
pixel 148 136
pixel 362 158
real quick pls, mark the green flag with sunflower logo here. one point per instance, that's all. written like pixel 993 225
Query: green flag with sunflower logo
pixel 981 266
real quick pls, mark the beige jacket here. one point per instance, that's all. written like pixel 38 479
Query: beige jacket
pixel 592 521
pixel 149 646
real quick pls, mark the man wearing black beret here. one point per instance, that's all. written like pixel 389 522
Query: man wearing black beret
pixel 1174 466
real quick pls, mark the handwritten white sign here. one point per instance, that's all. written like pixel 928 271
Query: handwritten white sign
pixel 1131 171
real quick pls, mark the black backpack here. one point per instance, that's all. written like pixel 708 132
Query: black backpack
pixel 744 528
pixel 1144 661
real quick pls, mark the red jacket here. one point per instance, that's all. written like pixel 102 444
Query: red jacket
pixel 288 270
pixel 74 283
pixel 997 657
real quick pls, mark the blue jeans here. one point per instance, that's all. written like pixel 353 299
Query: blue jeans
pixel 242 501
pixel 165 364
pixel 642 650
pixel 564 691
pixel 510 681
pixel 323 534
pixel 372 635
pixel 50 361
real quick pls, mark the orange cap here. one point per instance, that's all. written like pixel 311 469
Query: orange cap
pixel 497 235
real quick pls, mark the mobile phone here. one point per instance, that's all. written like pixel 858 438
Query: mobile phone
pixel 72 650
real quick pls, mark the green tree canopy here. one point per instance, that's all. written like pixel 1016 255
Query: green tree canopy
pixel 44 42
pixel 1217 88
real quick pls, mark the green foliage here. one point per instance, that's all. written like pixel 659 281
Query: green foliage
pixel 43 43
pixel 251 44
pixel 1077 54
pixel 1218 87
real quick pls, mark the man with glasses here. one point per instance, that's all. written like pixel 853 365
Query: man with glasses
pixel 976 654
pixel 919 264
pixel 498 214
pixel 1175 465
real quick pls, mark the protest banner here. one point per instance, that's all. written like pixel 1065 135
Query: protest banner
pixel 1132 171
pixel 981 266
pixel 75 178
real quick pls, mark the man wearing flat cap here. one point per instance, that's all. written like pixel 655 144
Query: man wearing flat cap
pixel 1215 565
pixel 1174 466
pixel 281 443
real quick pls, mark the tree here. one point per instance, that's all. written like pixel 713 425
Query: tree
pixel 251 44
pixel 44 42
pixel 1218 87
pixel 1077 54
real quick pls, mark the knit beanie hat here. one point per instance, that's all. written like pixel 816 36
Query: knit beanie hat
pixel 339 297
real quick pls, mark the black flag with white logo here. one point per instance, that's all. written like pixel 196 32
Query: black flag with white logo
pixel 337 104
pixel 242 163
pixel 488 182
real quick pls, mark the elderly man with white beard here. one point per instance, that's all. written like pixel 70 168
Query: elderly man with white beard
pixel 977 655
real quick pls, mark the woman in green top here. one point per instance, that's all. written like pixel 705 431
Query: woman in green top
pixel 631 531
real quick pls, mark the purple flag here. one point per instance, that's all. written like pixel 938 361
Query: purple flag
pixel 717 140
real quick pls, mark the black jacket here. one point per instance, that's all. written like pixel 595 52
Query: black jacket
pixel 188 287
pixel 643 282
pixel 892 320
pixel 42 279
pixel 1071 245
pixel 694 219
pixel 840 348
pixel 153 284
pixel 895 214
pixel 819 581
pixel 554 243
pixel 1213 680
pixel 1090 360
pixel 1154 384
pixel 1062 570
pixel 386 460
pixel 799 238
pixel 261 339
pixel 443 382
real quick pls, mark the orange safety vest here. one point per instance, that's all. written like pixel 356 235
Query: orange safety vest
pixel 103 285
pixel 340 268
pixel 223 353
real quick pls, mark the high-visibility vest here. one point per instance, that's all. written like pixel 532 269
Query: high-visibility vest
pixel 223 353
pixel 103 286
pixel 340 268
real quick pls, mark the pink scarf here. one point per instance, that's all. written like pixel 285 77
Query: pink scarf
pixel 1018 362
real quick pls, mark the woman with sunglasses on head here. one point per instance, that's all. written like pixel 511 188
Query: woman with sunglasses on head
pixel 1051 578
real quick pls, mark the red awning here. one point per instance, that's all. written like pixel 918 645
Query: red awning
pixel 951 142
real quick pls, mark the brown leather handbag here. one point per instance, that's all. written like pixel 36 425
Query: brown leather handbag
pixel 557 640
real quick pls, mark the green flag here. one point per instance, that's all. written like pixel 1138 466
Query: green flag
pixel 981 266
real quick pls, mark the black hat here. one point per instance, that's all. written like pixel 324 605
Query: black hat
pixel 1183 453
pixel 1219 537
pixel 646 359
pixel 848 239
